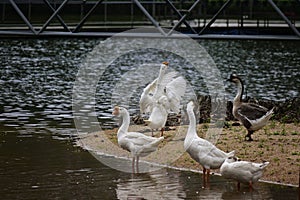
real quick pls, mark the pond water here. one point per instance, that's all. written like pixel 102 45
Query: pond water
pixel 42 167
pixel 38 157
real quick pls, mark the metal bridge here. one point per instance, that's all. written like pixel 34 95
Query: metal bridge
pixel 227 19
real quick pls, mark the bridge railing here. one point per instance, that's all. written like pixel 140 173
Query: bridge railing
pixel 71 17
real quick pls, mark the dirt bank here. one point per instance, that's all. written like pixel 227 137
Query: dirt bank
pixel 277 143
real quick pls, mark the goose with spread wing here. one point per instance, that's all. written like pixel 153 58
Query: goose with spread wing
pixel 137 143
pixel 242 171
pixel 162 96
pixel 201 150
pixel 252 116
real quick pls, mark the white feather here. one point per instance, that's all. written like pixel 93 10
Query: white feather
pixel 136 143
pixel 242 171
pixel 201 150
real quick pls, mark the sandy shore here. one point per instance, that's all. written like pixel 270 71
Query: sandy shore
pixel 277 143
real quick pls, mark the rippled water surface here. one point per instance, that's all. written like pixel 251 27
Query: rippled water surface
pixel 37 154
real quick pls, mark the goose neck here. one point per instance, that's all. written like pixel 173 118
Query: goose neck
pixel 125 123
pixel 160 75
pixel 240 91
pixel 158 88
pixel 192 124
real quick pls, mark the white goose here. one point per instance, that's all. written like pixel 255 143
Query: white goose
pixel 161 97
pixel 242 171
pixel 201 150
pixel 136 143
pixel 251 115
pixel 155 89
pixel 159 115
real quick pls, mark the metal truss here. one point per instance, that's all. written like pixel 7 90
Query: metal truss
pixel 170 4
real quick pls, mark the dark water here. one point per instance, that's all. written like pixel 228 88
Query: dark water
pixel 41 167
pixel 38 158
pixel 270 70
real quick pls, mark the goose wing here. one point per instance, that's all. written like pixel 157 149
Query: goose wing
pixel 146 100
pixel 138 143
pixel 161 86
pixel 168 78
pixel 139 139
pixel 248 166
pixel 153 91
pixel 174 91
pixel 206 148
pixel 252 111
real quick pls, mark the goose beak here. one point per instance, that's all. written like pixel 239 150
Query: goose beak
pixel 116 111
pixel 166 63
pixel 230 80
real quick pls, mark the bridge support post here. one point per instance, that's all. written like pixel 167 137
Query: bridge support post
pixel 284 17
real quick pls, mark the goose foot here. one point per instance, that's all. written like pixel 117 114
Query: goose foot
pixel 248 137
pixel 161 132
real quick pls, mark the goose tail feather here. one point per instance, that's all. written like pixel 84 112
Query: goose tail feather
pixel 231 153
pixel 147 122
pixel 264 164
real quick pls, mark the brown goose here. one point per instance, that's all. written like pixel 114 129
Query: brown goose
pixel 252 116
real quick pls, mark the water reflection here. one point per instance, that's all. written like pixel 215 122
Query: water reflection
pixel 162 184
pixel 42 167
pixel 167 183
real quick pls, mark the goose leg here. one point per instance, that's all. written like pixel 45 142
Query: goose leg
pixel 204 176
pixel 207 176
pixel 238 186
pixel 161 132
pixel 250 186
pixel 133 162
pixel 137 164
pixel 248 136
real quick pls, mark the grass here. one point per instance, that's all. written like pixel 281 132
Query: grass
pixel 294 133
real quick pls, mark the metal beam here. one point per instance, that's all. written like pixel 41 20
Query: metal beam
pixel 180 15
pixel 284 18
pixel 22 16
pixel 57 16
pixel 215 16
pixel 183 17
pixel 80 24
pixel 52 16
pixel 154 22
